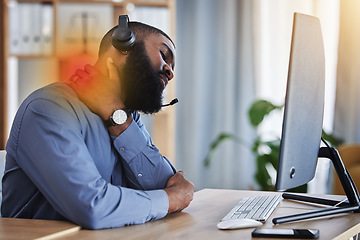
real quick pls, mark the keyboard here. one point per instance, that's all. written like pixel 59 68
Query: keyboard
pixel 258 208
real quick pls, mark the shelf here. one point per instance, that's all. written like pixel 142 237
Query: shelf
pixel 55 62
pixel 31 56
pixel 115 3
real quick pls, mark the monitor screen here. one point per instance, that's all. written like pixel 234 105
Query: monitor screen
pixel 304 104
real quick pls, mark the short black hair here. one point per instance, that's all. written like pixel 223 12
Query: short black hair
pixel 140 30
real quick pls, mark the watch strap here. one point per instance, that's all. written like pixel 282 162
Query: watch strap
pixel 109 122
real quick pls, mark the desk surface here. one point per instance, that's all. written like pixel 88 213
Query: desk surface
pixel 16 228
pixel 199 221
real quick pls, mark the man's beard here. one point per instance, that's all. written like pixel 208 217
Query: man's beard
pixel 142 84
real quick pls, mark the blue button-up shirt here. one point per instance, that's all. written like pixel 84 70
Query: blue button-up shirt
pixel 62 163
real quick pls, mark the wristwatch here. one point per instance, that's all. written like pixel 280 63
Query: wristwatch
pixel 118 117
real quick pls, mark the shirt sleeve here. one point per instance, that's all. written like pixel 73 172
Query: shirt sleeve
pixel 56 159
pixel 143 162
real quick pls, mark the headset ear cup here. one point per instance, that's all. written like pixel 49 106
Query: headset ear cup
pixel 123 39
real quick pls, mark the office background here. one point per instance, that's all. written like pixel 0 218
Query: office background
pixel 229 53
pixel 240 53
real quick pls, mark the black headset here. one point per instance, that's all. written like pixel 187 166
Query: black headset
pixel 123 39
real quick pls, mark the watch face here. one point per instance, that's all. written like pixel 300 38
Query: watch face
pixel 119 116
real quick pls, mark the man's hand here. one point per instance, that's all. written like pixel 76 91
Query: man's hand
pixel 100 93
pixel 180 192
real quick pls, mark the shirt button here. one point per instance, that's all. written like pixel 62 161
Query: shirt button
pixel 122 149
pixel 139 175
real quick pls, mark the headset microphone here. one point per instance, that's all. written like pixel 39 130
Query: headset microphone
pixel 175 100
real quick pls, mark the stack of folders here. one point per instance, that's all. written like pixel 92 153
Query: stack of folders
pixel 31 28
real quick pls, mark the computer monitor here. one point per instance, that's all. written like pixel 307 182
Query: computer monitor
pixel 304 104
pixel 303 120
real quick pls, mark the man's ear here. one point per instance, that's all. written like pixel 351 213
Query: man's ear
pixel 119 57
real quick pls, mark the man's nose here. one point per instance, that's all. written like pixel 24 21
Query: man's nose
pixel 168 72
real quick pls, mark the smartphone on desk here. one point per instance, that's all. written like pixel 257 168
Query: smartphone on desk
pixel 285 233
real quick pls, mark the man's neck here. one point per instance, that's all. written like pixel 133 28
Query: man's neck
pixel 101 67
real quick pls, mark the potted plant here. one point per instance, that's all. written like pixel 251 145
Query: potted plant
pixel 257 113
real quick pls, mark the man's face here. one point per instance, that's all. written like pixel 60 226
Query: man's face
pixel 147 70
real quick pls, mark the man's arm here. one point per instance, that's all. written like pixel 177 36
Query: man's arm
pixel 143 162
pixel 159 170
pixel 57 160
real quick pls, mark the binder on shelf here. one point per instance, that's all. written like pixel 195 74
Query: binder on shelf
pixel 31 28
pixel 25 28
pixel 35 35
pixel 47 28
pixel 14 31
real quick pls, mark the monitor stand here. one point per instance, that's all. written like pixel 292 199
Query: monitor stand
pixel 352 205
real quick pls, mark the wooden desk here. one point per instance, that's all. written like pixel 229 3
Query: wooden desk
pixel 199 221
pixel 17 228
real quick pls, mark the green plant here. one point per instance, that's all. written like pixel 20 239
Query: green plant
pixel 264 159
pixel 216 143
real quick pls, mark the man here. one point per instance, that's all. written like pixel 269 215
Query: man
pixel 68 158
